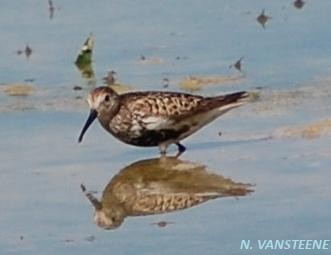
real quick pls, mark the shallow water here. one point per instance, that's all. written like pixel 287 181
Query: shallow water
pixel 279 143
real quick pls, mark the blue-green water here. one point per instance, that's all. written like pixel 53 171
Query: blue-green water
pixel 43 210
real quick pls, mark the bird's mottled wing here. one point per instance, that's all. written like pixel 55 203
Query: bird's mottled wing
pixel 219 103
pixel 156 110
pixel 146 204
pixel 161 103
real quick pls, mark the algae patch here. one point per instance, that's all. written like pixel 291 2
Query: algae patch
pixel 196 83
pixel 308 131
pixel 18 89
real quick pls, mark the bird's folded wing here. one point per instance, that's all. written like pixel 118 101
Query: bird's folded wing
pixel 158 110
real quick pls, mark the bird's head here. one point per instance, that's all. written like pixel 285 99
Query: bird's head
pixel 102 101
pixel 109 218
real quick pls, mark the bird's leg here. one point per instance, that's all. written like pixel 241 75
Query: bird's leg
pixel 163 149
pixel 181 149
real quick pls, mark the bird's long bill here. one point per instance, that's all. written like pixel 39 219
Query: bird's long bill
pixel 94 201
pixel 90 119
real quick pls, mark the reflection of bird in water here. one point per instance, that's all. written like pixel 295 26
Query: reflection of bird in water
pixel 110 79
pixel 263 19
pixel 156 118
pixel 160 185
pixel 299 4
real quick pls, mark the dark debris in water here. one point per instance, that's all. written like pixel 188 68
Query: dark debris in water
pixel 238 64
pixel 165 82
pixel 29 80
pixel 299 4
pixel 51 9
pixel 150 60
pixel 77 87
pixel 27 51
pixel 68 240
pixel 263 19
pixel 82 187
pixel 90 238
pixel 110 78
pixel 162 224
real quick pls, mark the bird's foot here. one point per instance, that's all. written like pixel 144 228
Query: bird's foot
pixel 181 149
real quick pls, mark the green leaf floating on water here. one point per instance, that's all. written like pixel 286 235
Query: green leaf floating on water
pixel 84 57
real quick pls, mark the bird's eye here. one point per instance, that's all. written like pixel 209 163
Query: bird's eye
pixel 107 98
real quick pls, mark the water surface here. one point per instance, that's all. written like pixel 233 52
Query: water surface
pixel 280 143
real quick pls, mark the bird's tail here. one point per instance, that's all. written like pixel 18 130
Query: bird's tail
pixel 234 98
pixel 229 101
